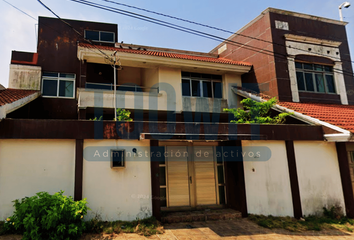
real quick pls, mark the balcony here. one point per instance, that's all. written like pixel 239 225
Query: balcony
pixel 124 87
pixel 200 104
pixel 98 95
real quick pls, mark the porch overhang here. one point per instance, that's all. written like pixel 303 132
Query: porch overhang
pixel 93 55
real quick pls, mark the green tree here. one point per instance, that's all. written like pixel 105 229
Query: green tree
pixel 257 112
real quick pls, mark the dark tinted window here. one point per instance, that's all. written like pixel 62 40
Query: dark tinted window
pixel 107 37
pixel 50 88
pixel 217 89
pixel 186 89
pixel 92 35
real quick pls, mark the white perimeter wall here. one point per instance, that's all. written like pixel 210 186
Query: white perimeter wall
pixel 31 166
pixel 319 177
pixel 268 189
pixel 118 194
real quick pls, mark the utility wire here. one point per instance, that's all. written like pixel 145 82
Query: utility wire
pixel 211 27
pixel 76 31
pixel 173 26
pixel 188 30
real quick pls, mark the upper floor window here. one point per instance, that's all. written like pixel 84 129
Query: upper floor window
pixel 58 85
pixel 315 78
pixel 99 36
pixel 201 85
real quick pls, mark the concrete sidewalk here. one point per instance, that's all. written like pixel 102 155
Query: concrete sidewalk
pixel 240 229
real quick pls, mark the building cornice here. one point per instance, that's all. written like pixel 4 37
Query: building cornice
pixel 311 40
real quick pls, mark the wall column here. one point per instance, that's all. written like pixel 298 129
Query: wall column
pixel 79 161
pixel 340 84
pixel 155 181
pixel 293 80
pixel 345 178
pixel 294 183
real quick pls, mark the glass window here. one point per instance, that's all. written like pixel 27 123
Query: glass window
pixel 207 89
pixel 66 88
pixel 50 88
pixel 162 176
pixel 300 81
pixel 221 174
pixel 308 66
pixel 222 195
pixel 58 85
pixel 201 85
pixel 99 36
pixel 298 65
pixel 107 37
pixel 92 35
pixel 330 84
pixel 186 87
pixel 163 202
pixel 195 88
pixel 315 78
pixel 217 87
pixel 309 82
pixel 320 83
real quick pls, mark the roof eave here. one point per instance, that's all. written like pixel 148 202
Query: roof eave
pixel 10 107
pixel 344 136
pixel 92 55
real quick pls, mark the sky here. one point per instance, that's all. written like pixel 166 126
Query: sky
pixel 19 31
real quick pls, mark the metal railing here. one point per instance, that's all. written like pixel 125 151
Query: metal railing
pixel 124 87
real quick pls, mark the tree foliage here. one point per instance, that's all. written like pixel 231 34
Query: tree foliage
pixel 256 112
pixel 123 115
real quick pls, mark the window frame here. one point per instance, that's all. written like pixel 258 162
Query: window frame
pixel 313 72
pixel 121 153
pixel 201 80
pixel 99 36
pixel 58 79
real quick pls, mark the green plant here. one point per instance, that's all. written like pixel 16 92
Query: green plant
pixel 335 212
pixel 97 119
pixel 256 112
pixel 146 227
pixel 123 115
pixel 46 216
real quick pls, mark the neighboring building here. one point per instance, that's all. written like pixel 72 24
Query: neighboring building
pixel 295 57
pixel 180 152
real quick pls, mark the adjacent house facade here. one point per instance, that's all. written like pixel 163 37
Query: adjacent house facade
pixel 180 152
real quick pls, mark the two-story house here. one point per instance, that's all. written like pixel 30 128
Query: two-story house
pixel 180 152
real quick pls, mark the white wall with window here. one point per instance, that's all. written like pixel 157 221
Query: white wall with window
pixel 61 85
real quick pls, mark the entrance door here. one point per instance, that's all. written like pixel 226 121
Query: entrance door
pixel 191 176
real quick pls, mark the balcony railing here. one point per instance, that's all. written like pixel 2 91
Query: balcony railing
pixel 125 87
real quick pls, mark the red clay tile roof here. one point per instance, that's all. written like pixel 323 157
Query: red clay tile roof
pixel 339 115
pixel 170 55
pixel 10 95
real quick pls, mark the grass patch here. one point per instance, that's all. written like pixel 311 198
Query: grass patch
pixel 306 224
pixel 146 227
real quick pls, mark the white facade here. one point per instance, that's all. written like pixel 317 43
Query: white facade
pixel 267 183
pixel 30 166
pixel 318 175
pixel 117 194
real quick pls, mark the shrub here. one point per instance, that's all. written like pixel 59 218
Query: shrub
pixel 46 216
pixel 257 112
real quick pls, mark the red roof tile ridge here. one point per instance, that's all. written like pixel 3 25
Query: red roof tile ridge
pixel 171 55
